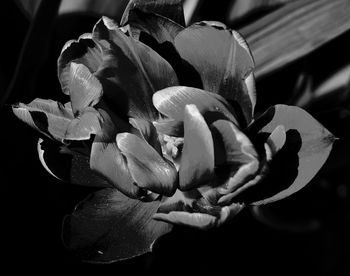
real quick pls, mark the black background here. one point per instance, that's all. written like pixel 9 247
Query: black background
pixel 34 203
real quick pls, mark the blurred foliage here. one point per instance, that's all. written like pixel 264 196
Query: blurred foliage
pixel 301 53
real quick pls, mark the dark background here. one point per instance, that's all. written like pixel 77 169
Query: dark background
pixel 306 233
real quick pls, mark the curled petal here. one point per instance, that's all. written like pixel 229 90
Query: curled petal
pixel 223 61
pixel 171 102
pixel 197 160
pixel 147 168
pixel 108 226
pixel 82 51
pixel 131 72
pixel 170 127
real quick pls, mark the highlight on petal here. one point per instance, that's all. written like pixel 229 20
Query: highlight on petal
pixel 240 158
pixel 306 148
pixel 223 61
pixel 84 88
pixel 171 9
pixel 131 72
pixel 49 117
pixel 197 160
pixel 107 160
pixel 147 168
pixel 108 226
pixel 171 102
pixel 82 51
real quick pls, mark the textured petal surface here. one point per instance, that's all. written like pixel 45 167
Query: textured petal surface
pixel 148 169
pixel 108 227
pixel 168 8
pixel 131 72
pixel 306 149
pixel 197 160
pixel 171 102
pixel 223 61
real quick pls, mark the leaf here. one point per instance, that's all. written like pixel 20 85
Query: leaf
pixel 108 227
pixel 148 169
pixel 171 9
pixel 294 31
pixel 223 61
pixel 171 102
pixel 240 9
pixel 306 148
pixel 197 160
pixel 131 72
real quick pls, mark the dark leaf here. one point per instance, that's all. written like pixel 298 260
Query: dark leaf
pixel 295 30
pixel 108 227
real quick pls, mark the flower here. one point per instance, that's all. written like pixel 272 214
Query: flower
pixel 164 116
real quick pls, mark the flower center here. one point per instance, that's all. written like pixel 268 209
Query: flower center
pixel 171 147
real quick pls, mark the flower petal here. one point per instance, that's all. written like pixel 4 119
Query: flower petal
pixel 306 149
pixel 49 117
pixel 108 227
pixel 148 169
pixel 224 62
pixel 171 9
pixel 131 72
pixel 68 166
pixel 82 51
pixel 84 88
pixel 171 102
pixel 197 160
pixel 107 160
pixel 169 127
pixel 240 157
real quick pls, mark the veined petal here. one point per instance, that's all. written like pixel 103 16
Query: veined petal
pixel 131 72
pixel 171 102
pixel 197 160
pixel 169 127
pixel 108 226
pixel 84 88
pixel 49 117
pixel 223 61
pixel 172 9
pixel 148 169
pixel 82 51
pixel 306 148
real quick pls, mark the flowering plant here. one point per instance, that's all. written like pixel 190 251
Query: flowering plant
pixel 164 116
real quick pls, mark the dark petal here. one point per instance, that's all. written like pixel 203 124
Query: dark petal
pixel 107 160
pixel 171 102
pixel 49 117
pixel 197 160
pixel 68 166
pixel 148 132
pixel 131 72
pixel 306 148
pixel 162 29
pixel 84 88
pixel 108 227
pixel 171 9
pixel 82 51
pixel 147 168
pixel 224 62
